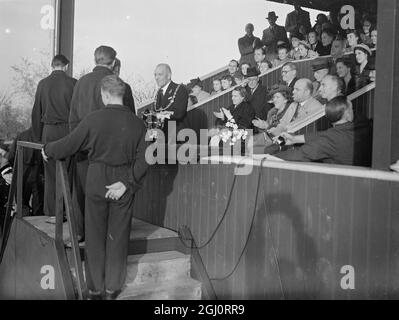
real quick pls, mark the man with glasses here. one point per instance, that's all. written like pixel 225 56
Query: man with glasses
pixel 289 74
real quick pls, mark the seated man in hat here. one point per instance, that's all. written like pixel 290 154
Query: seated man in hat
pixel 345 143
pixel 272 35
pixel 320 69
pixel 197 93
pixel 257 94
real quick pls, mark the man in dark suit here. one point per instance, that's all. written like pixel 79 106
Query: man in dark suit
pixel 257 94
pixel 50 119
pixel 86 99
pixel 272 35
pixel 128 99
pixel 171 97
pixel 298 21
pixel 115 141
pixel 247 45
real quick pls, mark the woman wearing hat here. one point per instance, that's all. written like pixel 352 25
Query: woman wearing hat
pixel 305 52
pixel 278 117
pixel 363 54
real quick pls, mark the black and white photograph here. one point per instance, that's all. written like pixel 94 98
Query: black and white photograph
pixel 199 154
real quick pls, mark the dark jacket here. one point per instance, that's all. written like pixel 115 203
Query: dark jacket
pixel 295 19
pixel 243 115
pixel 258 101
pixel 52 102
pixel 114 137
pixel 246 48
pixel 271 36
pixel 87 96
pixel 346 144
pixel 178 106
pixel 324 50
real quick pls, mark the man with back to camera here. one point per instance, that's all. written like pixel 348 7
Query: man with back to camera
pixel 86 99
pixel 128 97
pixel 50 119
pixel 115 141
pixel 344 143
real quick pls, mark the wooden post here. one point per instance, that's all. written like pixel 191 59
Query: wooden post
pixel 65 32
pixel 386 111
pixel 20 179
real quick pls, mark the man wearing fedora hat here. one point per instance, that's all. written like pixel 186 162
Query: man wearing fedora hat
pixel 257 94
pixel 197 94
pixel 272 35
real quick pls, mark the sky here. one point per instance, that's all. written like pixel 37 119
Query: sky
pixel 194 36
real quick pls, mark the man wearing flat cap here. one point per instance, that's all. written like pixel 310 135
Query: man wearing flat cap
pixel 257 94
pixel 197 93
pixel 272 35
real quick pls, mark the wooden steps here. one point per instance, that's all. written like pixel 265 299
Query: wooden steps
pixel 158 266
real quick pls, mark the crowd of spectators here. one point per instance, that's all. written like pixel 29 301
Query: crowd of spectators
pixel 342 62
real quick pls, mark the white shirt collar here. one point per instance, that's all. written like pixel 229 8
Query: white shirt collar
pixel 304 102
pixel 165 87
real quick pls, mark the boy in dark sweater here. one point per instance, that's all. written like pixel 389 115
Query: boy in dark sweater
pixel 115 141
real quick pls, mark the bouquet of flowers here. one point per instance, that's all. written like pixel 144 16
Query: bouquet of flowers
pixel 231 133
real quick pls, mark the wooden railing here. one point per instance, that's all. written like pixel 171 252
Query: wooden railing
pixel 63 201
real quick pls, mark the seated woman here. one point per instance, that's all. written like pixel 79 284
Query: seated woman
pixel 294 53
pixel 241 111
pixel 365 35
pixel 305 52
pixel 197 94
pixel 373 37
pixel 217 86
pixel 364 68
pixel 239 79
pixel 227 82
pixel 344 67
pixel 277 118
pixel 283 55
pixel 265 66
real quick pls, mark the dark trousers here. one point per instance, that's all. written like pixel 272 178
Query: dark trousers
pixel 107 229
pixel 51 133
pixel 79 169
pixel 33 189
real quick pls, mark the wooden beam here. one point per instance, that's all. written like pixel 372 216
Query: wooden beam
pixel 65 31
pixel 386 111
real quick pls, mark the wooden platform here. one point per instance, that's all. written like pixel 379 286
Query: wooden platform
pixel 141 230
